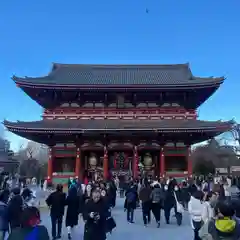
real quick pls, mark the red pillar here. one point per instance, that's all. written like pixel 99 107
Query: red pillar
pixel 50 163
pixel 78 164
pixel 189 161
pixel 105 164
pixel 162 163
pixel 135 163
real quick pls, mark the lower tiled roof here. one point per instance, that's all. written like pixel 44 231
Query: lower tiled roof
pixel 127 125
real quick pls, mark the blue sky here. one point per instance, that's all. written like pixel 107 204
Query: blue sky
pixel 36 33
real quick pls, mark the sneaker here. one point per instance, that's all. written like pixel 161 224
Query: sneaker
pixel 158 225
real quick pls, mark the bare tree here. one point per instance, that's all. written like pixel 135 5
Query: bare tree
pixel 236 132
pixel 33 159
pixel 32 149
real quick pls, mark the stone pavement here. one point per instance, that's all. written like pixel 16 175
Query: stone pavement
pixel 126 231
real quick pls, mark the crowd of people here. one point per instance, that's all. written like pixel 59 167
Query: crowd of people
pixel 20 217
pixel 213 204
pixel 93 201
pixel 213 207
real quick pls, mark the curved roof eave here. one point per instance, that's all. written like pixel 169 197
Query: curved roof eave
pixel 31 83
pixel 19 125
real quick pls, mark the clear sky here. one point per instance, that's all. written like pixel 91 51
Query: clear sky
pixel 33 34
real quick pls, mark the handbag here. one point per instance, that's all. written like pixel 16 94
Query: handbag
pixel 180 208
pixel 110 224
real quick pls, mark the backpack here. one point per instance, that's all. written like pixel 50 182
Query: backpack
pixel 130 197
pixel 216 236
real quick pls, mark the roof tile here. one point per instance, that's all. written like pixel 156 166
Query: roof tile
pixel 90 74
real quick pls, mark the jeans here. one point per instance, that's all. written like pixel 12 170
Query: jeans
pixel 56 223
pixel 156 209
pixel 197 226
pixel 167 211
pixel 146 211
pixel 130 214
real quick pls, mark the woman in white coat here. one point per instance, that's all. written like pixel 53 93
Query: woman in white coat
pixel 196 209
pixel 207 210
pixel 208 214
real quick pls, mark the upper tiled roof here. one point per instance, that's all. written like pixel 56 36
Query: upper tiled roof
pixel 108 125
pixel 119 75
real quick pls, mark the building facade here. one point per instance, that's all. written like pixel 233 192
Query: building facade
pixel 118 119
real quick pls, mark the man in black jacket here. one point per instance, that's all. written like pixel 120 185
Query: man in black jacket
pixel 56 203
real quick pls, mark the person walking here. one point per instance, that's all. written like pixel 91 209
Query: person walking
pixel 15 208
pixel 196 210
pixel 4 223
pixel 95 216
pixel 157 199
pixel 56 203
pixel 169 200
pixel 145 198
pixel 73 208
pixel 131 202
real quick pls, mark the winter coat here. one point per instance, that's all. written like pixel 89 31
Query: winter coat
pixel 222 196
pixel 195 209
pixel 15 209
pixel 23 233
pixel 185 194
pixel 95 229
pixel 73 208
pixel 207 212
pixel 157 195
pixel 56 202
pixel 131 198
pixel 224 229
pixel 112 193
pixel 178 195
pixel 169 199
pixel 4 218
pixel 145 194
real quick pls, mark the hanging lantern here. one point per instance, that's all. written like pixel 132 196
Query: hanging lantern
pixel 92 161
pixel 147 161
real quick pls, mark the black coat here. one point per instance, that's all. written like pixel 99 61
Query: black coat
pixel 56 201
pixel 15 209
pixel 4 218
pixel 185 194
pixel 73 209
pixel 132 204
pixel 169 199
pixel 95 230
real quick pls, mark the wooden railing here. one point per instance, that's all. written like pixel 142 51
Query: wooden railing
pixel 90 113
